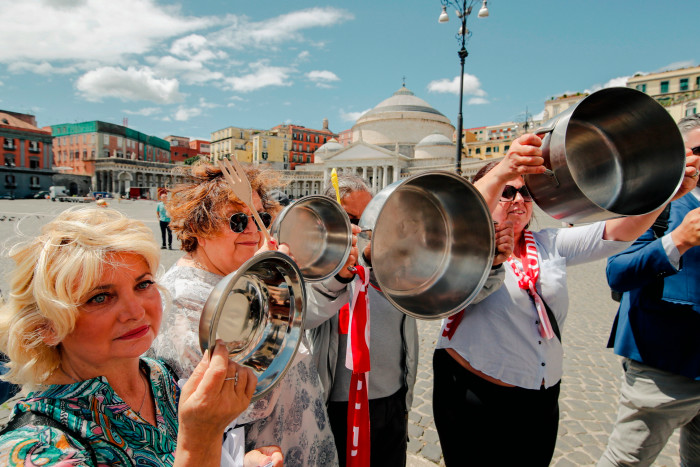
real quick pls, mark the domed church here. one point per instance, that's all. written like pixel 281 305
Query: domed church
pixel 400 136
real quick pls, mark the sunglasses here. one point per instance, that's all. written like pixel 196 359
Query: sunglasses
pixel 509 193
pixel 239 221
pixel 696 150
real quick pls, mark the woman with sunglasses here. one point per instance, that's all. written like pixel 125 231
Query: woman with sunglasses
pixel 218 234
pixel 498 365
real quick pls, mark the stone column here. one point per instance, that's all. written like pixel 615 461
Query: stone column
pixel 364 172
pixel 375 179
pixel 396 170
pixel 384 176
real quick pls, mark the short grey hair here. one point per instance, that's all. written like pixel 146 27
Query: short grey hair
pixel 347 184
pixel 689 123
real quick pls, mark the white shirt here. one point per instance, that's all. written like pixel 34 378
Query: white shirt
pixel 500 337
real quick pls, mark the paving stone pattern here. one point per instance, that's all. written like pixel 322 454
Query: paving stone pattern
pixel 591 372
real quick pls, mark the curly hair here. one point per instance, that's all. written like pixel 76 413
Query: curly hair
pixel 197 207
pixel 53 275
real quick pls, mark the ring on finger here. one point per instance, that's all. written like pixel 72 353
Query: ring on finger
pixel 696 174
pixel 235 379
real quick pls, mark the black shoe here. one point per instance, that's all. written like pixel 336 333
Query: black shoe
pixel 163 247
pixel 170 247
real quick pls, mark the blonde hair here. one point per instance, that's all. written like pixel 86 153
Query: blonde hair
pixel 197 207
pixel 53 274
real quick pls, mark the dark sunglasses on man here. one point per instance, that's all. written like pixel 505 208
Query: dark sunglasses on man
pixel 239 221
pixel 696 150
pixel 510 192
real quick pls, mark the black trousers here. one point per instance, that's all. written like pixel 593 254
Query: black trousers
pixel 483 424
pixel 388 428
pixel 165 226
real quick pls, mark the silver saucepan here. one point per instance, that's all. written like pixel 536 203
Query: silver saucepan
pixel 615 153
pixel 258 311
pixel 432 241
pixel 318 233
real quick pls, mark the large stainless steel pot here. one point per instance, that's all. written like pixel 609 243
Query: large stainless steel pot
pixel 318 233
pixel 432 241
pixel 615 153
pixel 258 311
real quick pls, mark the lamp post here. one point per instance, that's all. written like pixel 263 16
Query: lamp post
pixel 462 12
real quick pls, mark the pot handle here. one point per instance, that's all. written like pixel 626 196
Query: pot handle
pixel 548 128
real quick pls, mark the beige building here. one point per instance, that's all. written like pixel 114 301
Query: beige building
pixel 556 105
pixel 271 147
pixel 677 90
pixel 235 141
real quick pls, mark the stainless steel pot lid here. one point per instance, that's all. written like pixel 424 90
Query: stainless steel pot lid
pixel 258 311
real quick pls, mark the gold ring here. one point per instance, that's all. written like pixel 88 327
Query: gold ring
pixel 695 175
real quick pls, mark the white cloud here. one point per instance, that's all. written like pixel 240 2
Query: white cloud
pixel 263 75
pixel 81 30
pixel 677 65
pixel 538 116
pixel 352 116
pixel 613 82
pixel 322 78
pixel 477 101
pixel 303 56
pixel 190 71
pixel 472 86
pixel 283 28
pixel 184 113
pixel 43 68
pixel 132 84
pixel 146 111
pixel 203 104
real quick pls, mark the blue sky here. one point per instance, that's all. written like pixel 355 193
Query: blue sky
pixel 196 66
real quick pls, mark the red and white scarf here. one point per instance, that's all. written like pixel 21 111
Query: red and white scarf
pixel 527 271
pixel 354 321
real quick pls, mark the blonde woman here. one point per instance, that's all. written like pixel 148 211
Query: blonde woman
pixel 82 308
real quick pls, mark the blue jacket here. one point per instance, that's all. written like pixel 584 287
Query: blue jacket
pixel 658 322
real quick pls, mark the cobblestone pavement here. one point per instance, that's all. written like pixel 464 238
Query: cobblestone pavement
pixel 591 372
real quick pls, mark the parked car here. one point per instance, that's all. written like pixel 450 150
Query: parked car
pixel 7 196
pixel 41 195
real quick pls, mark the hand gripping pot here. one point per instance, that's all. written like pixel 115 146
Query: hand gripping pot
pixel 318 233
pixel 432 241
pixel 258 311
pixel 615 153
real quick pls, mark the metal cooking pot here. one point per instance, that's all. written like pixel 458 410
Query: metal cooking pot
pixel 615 153
pixel 318 233
pixel 258 311
pixel 432 243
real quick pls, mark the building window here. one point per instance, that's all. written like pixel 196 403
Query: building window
pixel 308 159
pixel 34 146
pixel 119 142
pixel 307 148
pixel 664 86
pixel 488 150
pixel 264 144
pixel 92 154
pixel 506 148
pixel 316 139
pixel 106 139
pixel 34 182
pixel 106 153
pixel 9 144
pixel 642 87
pixel 9 160
pixel 684 84
pixel 10 181
pixel 478 151
pixel 84 155
pixel 34 163
pixel 691 111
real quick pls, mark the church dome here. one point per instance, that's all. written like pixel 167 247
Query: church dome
pixel 436 139
pixel 402 119
pixel 330 147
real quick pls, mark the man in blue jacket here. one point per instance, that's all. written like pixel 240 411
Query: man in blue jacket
pixel 657 331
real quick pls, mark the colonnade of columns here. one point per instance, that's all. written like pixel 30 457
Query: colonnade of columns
pixel 377 176
pixel 300 188
pixel 120 181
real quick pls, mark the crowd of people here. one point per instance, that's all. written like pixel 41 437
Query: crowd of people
pixel 108 352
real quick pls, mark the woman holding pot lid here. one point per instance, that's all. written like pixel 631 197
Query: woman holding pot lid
pixel 83 308
pixel 498 365
pixel 218 234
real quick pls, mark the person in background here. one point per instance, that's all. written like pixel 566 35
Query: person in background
pixel 657 332
pixel 164 221
pixel 393 347
pixel 498 374
pixel 83 308
pixel 218 234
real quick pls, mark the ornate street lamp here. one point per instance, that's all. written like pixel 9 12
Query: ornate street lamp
pixel 462 11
